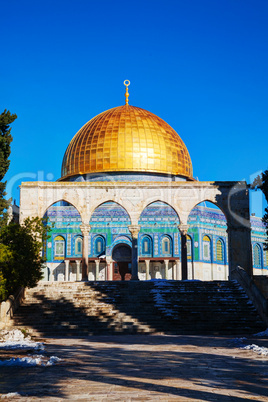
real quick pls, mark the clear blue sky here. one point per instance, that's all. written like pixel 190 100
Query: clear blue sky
pixel 201 65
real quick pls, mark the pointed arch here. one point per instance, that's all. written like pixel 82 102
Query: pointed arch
pixel 62 214
pixel 220 251
pixel 64 220
pixel 209 224
pixel 59 248
pixel 206 248
pixel 257 253
pixel 122 239
pixel 61 200
pixel 109 211
pixel 159 209
pixel 202 204
pixel 99 245
pixel 189 243
pixel 146 245
pixel 78 244
pixel 166 246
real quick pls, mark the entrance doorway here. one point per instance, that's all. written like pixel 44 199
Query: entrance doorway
pixel 122 262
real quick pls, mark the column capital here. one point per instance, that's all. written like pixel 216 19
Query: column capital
pixel 85 229
pixel 183 229
pixel 134 230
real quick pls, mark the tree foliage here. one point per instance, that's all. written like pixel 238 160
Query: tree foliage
pixel 261 183
pixel 6 118
pixel 20 245
pixel 20 254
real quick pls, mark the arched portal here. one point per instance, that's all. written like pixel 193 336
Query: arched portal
pixel 207 229
pixel 121 256
pixel 63 246
pixel 159 241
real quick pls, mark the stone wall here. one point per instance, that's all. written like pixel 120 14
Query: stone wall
pixel 262 283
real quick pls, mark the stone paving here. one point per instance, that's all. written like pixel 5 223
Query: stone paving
pixel 143 368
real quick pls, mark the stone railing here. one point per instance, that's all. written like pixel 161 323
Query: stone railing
pixel 259 301
pixel 8 307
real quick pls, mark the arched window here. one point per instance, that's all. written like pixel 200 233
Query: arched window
pixel 146 245
pixel 166 245
pixel 220 250
pixel 189 248
pixel 206 248
pixel 257 255
pixel 59 247
pixel 78 245
pixel 99 245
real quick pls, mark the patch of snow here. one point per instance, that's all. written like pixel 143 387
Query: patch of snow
pixel 15 339
pixel 53 360
pixel 160 302
pixel 263 333
pixel 12 335
pixel 10 395
pixel 38 360
pixel 240 343
pixel 257 349
pixel 27 344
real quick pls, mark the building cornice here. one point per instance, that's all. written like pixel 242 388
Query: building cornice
pixel 136 184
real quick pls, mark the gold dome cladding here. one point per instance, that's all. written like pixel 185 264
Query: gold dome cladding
pixel 126 139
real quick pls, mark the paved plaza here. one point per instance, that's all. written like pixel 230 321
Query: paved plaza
pixel 142 368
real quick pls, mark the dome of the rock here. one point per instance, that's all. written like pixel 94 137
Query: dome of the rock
pixel 126 139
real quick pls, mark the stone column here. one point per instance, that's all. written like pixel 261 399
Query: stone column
pixel 166 268
pixel 212 270
pixel 109 269
pixel 147 263
pixel 173 271
pixel 53 275
pixel 178 270
pixel 77 269
pixel 67 262
pixel 85 229
pixel 134 230
pixel 226 273
pixel 192 263
pixel 97 262
pixel 184 270
pixel 239 248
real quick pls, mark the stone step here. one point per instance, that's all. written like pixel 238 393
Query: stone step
pixel 138 307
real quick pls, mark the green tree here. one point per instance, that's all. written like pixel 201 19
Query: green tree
pixel 6 118
pixel 21 258
pixel 20 245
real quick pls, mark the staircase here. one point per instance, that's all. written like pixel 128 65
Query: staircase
pixel 169 307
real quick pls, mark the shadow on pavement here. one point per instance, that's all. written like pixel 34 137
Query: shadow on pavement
pixel 92 366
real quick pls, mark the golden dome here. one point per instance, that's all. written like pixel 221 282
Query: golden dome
pixel 126 139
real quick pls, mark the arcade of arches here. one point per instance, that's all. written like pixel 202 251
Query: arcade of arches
pixel 172 237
